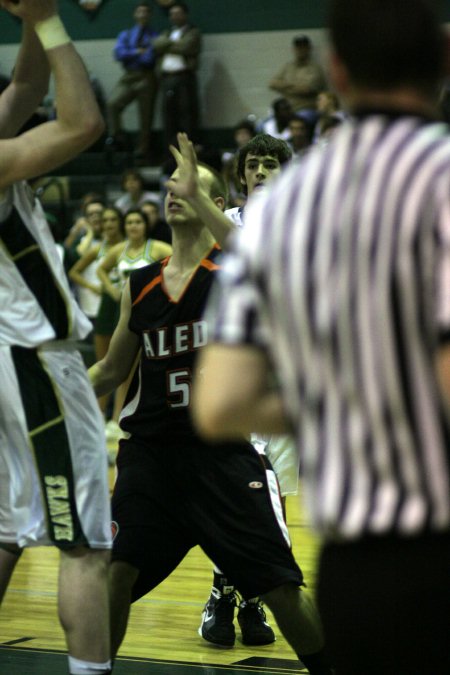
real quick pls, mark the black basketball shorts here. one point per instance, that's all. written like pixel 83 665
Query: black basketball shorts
pixel 225 498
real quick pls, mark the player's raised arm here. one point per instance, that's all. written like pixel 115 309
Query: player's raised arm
pixel 188 186
pixel 28 86
pixel 79 122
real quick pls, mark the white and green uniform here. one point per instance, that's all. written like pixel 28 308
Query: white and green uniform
pixel 125 264
pixel 53 461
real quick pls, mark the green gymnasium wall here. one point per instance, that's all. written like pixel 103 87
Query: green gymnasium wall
pixel 212 16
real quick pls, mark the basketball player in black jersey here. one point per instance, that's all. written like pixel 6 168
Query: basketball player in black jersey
pixel 227 498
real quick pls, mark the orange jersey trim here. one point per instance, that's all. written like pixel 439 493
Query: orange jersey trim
pixel 157 280
pixel 209 265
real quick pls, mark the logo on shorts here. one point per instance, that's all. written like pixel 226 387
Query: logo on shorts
pixel 114 529
pixel 256 485
pixel 59 507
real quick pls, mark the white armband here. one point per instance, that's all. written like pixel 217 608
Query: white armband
pixel 51 32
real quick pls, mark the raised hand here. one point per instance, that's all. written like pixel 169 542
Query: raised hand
pixel 187 181
pixel 30 10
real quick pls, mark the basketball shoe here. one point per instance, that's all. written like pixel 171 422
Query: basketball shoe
pixel 252 622
pixel 217 619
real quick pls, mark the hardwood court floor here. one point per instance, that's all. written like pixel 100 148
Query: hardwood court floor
pixel 162 636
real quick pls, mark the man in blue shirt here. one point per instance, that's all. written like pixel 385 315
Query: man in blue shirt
pixel 134 50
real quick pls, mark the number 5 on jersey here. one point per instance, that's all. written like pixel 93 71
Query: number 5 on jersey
pixel 179 388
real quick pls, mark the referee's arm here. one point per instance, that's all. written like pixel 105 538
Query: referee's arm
pixel 232 394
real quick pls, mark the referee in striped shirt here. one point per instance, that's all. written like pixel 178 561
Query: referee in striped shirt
pixel 340 283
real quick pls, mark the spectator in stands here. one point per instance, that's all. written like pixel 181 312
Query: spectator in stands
pixel 81 225
pixel 134 50
pixel 300 136
pixel 113 233
pixel 138 250
pixel 277 124
pixel 159 229
pixel 86 230
pixel 179 48
pixel 134 194
pixel 301 79
pixel 109 307
pixel 327 106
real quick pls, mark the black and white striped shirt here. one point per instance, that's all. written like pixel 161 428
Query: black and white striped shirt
pixel 344 276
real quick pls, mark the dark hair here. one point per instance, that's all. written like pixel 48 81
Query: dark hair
pixel 93 201
pixel 180 3
pixel 148 227
pixel 262 145
pixel 282 104
pixel 387 43
pixel 245 124
pixel 301 40
pixel 133 174
pixel 119 214
pixel 90 198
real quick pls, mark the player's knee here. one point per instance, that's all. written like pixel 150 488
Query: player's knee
pixel 96 561
pixel 122 575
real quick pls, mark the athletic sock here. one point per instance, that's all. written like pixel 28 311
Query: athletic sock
pixel 77 667
pixel 316 663
pixel 220 583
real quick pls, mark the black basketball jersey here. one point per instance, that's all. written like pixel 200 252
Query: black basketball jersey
pixel 170 332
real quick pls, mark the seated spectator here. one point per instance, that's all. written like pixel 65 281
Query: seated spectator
pixel 300 136
pixel 301 79
pixel 134 194
pixel 277 124
pixel 159 229
pixel 327 106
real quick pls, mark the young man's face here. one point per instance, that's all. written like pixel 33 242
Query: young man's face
pixel 176 209
pixel 258 170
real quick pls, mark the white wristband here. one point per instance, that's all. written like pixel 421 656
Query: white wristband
pixel 51 32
